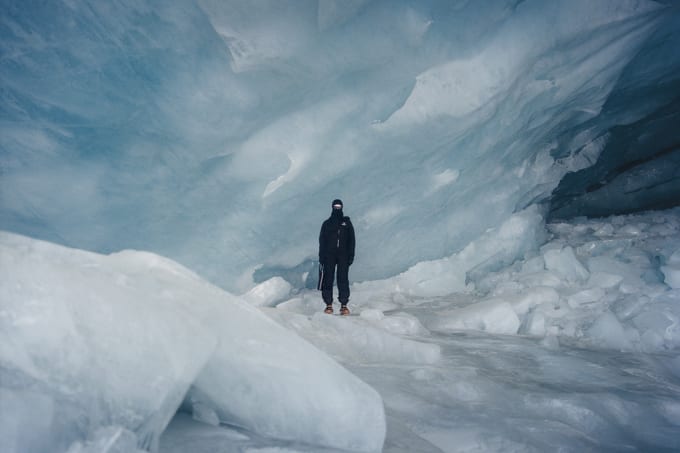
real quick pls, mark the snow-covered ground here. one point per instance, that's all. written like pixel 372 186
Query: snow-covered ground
pixel 573 346
pixel 572 349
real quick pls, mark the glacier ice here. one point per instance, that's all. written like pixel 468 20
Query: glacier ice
pixel 604 281
pixel 671 271
pixel 488 390
pixel 587 356
pixel 268 293
pixel 564 263
pixel 102 350
pixel 222 149
pixel 637 167
pixel 87 337
pixel 110 439
pixel 521 233
pixel 357 341
pixel 216 132
pixel 496 316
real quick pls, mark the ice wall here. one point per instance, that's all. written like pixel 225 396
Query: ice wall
pixel 97 353
pixel 218 132
pixel 639 159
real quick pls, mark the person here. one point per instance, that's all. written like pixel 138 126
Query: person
pixel 336 255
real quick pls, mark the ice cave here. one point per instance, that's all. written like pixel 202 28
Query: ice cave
pixel 511 169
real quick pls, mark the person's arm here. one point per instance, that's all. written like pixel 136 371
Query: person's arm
pixel 351 243
pixel 322 243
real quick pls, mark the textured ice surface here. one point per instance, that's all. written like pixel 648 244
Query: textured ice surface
pixel 101 350
pixel 112 439
pixel 356 339
pixel 622 298
pixel 477 383
pixel 497 247
pixel 606 282
pixel 434 121
pixel 511 366
pixel 563 263
pixel 92 341
pixel 495 316
pixel 671 271
pixel 216 133
pixel 269 292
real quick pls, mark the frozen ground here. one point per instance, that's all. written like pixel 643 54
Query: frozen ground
pixel 499 393
pixel 573 345
pixel 599 372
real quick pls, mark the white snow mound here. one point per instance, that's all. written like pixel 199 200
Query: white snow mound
pixel 93 344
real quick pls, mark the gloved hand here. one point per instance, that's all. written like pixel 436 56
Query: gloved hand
pixel 351 260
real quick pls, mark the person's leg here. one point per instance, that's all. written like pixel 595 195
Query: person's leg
pixel 327 281
pixel 343 282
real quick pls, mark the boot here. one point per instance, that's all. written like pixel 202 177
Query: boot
pixel 329 309
pixel 344 311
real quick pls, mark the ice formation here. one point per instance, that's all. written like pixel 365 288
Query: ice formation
pixel 572 345
pixel 593 299
pixel 594 271
pixel 223 149
pixel 606 282
pixel 216 132
pixel 102 350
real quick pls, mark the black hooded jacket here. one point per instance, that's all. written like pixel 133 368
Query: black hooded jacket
pixel 336 239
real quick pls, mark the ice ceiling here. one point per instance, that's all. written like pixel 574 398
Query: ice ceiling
pixel 218 132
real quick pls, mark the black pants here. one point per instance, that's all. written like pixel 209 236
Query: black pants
pixel 328 270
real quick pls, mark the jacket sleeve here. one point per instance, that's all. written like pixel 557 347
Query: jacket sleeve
pixel 351 243
pixel 322 243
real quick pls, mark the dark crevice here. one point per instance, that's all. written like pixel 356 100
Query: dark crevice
pixel 627 166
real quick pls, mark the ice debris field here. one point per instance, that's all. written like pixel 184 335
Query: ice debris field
pixel 511 169
pixel 574 344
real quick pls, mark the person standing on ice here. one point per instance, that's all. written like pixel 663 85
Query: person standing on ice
pixel 336 254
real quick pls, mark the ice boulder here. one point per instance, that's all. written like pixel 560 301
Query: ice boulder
pixel 108 440
pixel 204 414
pixel 371 314
pixel 270 381
pixel 585 297
pixel 564 263
pixel 671 271
pixel 534 324
pixel 491 315
pixel 608 272
pixel 532 297
pixel 671 276
pixel 269 293
pixel 608 332
pixel 93 344
pixel 86 344
pixel 604 280
pixel 397 323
